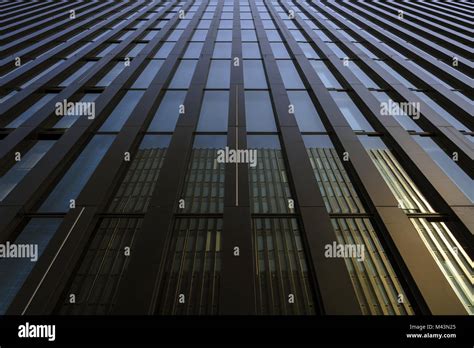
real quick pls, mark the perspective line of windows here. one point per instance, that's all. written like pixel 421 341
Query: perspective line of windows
pixel 279 252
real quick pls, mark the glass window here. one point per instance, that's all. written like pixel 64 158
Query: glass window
pixel 322 35
pixel 273 36
pixel 165 50
pixel 279 50
pixel 204 24
pixel 442 112
pixel 78 74
pixel 135 50
pixel 224 35
pixel 364 50
pixel 183 23
pixel 106 50
pixel 263 142
pixel 254 75
pixel 403 119
pixel 184 74
pixel 250 50
pixel 15 270
pixel 305 113
pixel 350 111
pixel 175 35
pixel 225 24
pixel 337 51
pixel 122 112
pixel 324 74
pixel 395 74
pixel 68 120
pixel 41 74
pixel 214 112
pixel 258 112
pixel 289 74
pixel 246 24
pixel 268 24
pixel 111 75
pixel 199 35
pixel 457 175
pixel 362 76
pixel 210 141
pixel 77 176
pixel 150 35
pixel 308 51
pixel 194 50
pixel 167 114
pixel 148 74
pixel 298 35
pixel 219 74
pixel 16 173
pixel 20 119
pixel 289 23
pixel 249 35
pixel 222 50
pixel 317 141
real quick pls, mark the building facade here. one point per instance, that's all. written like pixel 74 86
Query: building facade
pixel 216 157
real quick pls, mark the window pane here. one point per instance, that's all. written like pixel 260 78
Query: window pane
pixel 258 112
pixel 222 50
pixel 111 75
pixel 214 112
pixel 273 35
pixel 148 74
pixel 183 75
pixel 122 112
pixel 209 141
pixel 199 35
pixel 20 119
pixel 135 50
pixel 167 113
pixel 324 74
pixel 16 173
pixel 68 120
pixel 14 270
pixel 249 35
pixel 279 50
pixel 77 75
pixel 194 50
pixel 165 50
pixel 175 35
pixel 77 176
pixel 308 51
pixel 457 175
pixel 250 50
pixel 107 50
pixel 305 113
pixel 403 119
pixel 263 142
pixel 350 111
pixel 254 76
pixel 289 74
pixel 362 76
pixel 224 35
pixel 442 112
pixel 219 74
